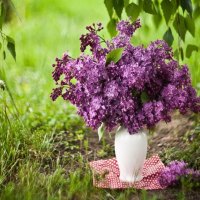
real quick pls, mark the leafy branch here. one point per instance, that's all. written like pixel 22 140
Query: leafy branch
pixel 177 21
pixel 10 43
pixel 6 42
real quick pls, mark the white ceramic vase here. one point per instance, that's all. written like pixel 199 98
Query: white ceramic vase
pixel 130 151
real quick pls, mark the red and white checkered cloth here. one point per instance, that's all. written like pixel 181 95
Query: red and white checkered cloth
pixel 106 174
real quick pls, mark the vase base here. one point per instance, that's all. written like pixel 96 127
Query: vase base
pixel 131 179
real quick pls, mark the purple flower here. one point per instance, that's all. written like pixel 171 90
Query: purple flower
pixel 126 28
pixel 56 93
pixel 112 90
pixel 173 172
pixel 114 93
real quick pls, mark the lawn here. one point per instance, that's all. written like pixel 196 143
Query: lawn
pixel 44 146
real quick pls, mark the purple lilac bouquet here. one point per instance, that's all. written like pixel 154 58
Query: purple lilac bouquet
pixel 137 90
pixel 174 171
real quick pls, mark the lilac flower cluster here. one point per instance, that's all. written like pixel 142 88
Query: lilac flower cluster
pixel 174 171
pixel 113 92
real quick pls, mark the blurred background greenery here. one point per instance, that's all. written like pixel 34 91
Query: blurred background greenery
pixel 45 29
pixel 42 31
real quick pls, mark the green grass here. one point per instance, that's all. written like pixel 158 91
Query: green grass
pixel 32 163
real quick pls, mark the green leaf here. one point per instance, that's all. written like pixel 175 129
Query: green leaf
pixel 190 25
pixel 157 19
pixel 111 26
pixel 109 6
pixel 181 53
pixel 140 4
pixel 101 131
pixel 118 6
pixel 190 48
pixel 168 37
pixel 4 55
pixel 11 46
pixel 133 11
pixel 167 8
pixel 144 97
pixel 176 54
pixel 2 15
pixel 187 5
pixel 0 45
pixel 175 5
pixel 126 2
pixel 179 26
pixel 149 7
pixel 114 55
pixel 196 12
pixel 157 5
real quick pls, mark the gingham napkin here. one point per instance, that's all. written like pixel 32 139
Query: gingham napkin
pixel 106 174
